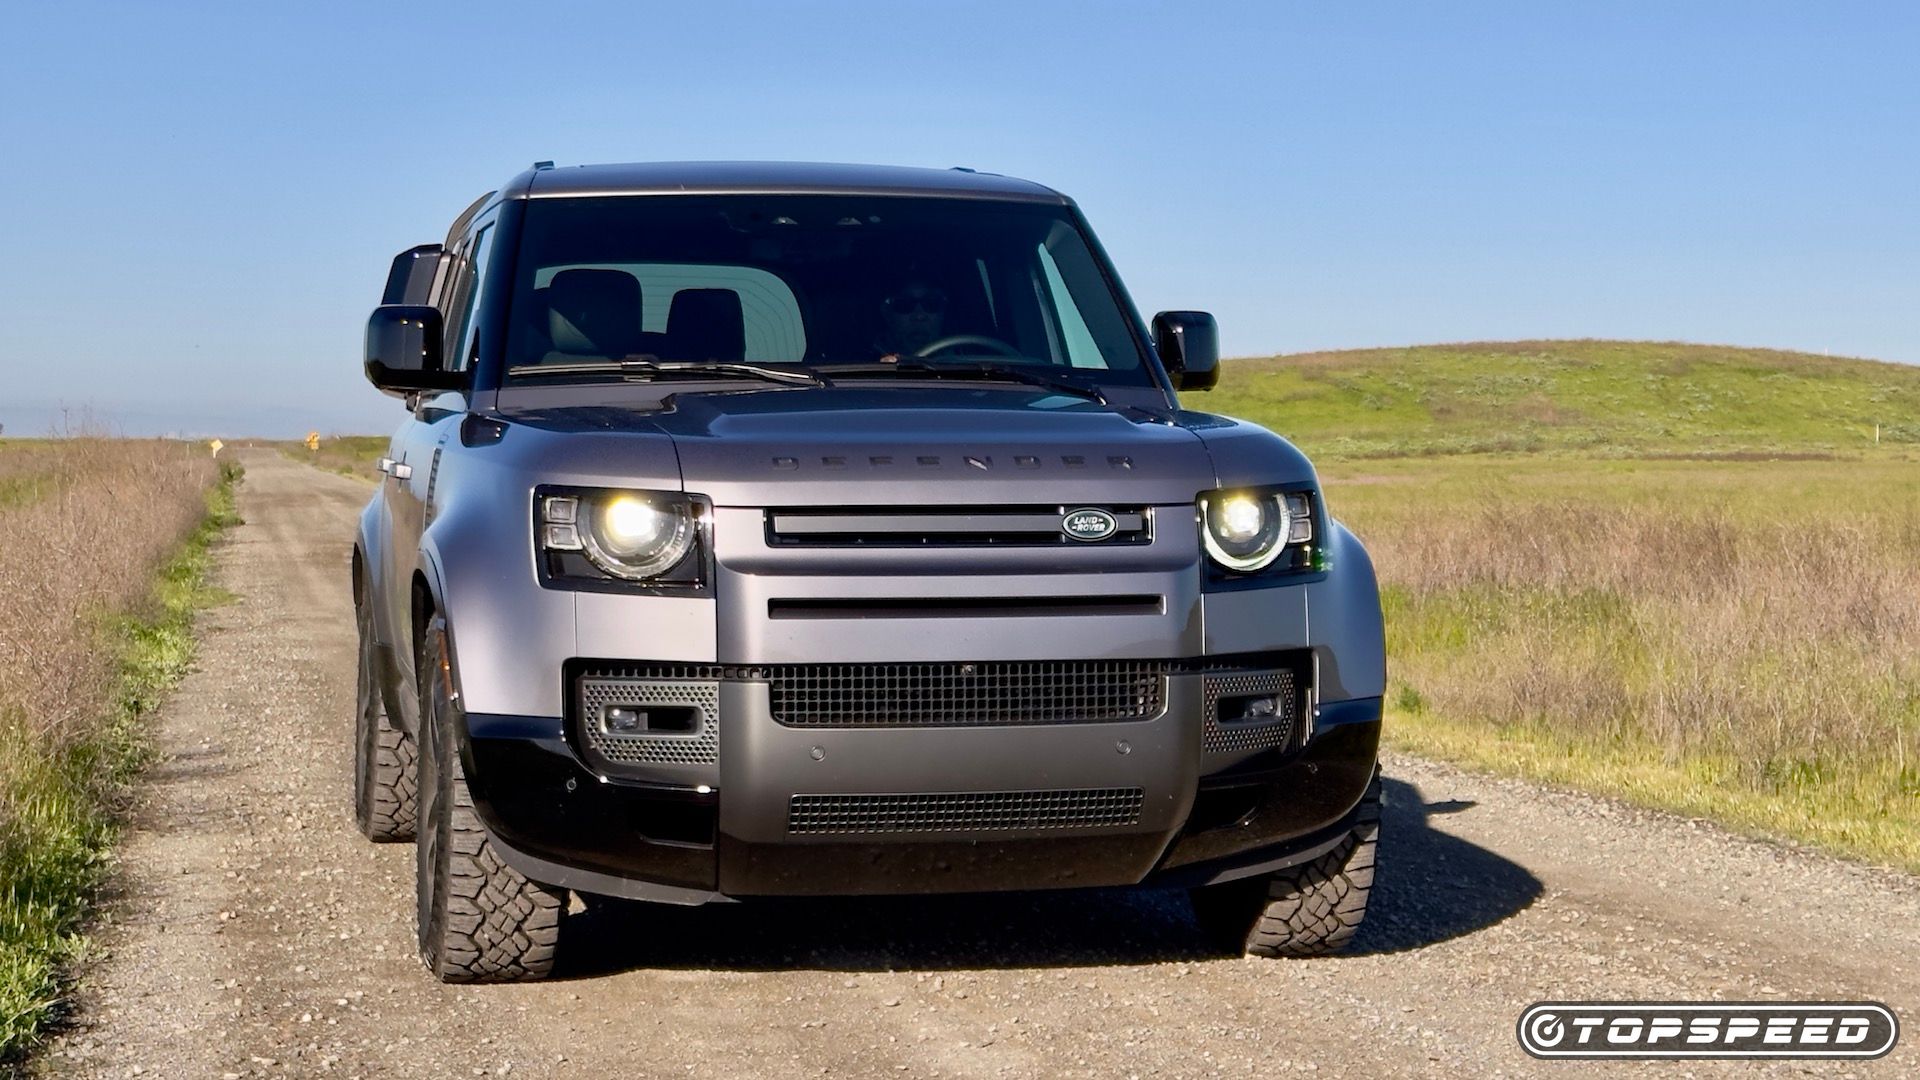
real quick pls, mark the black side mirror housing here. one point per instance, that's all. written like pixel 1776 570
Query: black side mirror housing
pixel 1189 346
pixel 403 350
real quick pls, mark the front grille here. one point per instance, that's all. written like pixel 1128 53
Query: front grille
pixel 965 811
pixel 982 694
pixel 1011 526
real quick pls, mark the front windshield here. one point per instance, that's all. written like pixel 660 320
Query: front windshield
pixel 814 280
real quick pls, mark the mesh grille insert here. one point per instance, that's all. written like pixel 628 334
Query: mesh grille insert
pixel 965 811
pixel 640 687
pixel 1235 737
pixel 967 694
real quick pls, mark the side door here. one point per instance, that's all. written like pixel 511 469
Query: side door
pixel 421 442
pixel 413 278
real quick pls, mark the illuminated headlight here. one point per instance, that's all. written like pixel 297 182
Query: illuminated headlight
pixel 635 535
pixel 1245 531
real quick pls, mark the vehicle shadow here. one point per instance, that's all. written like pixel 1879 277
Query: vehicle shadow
pixel 1431 887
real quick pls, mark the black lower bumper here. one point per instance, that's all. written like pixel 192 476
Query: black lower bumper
pixel 564 825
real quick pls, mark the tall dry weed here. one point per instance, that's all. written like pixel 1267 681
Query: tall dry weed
pixel 1783 637
pixel 80 547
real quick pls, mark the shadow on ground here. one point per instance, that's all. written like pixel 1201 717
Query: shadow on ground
pixel 1431 887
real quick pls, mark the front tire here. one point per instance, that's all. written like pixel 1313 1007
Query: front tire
pixel 479 920
pixel 383 754
pixel 1312 909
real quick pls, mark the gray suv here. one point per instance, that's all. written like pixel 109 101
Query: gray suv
pixel 766 530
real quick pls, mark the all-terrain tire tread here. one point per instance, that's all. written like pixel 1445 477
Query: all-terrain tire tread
pixel 1315 908
pixel 386 803
pixel 391 780
pixel 1308 910
pixel 497 925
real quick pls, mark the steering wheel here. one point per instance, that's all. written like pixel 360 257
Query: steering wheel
pixel 942 344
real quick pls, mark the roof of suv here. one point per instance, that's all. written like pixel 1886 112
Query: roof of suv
pixel 778 177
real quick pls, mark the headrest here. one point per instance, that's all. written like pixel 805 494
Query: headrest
pixel 594 312
pixel 706 324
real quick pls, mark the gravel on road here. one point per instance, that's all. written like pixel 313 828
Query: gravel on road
pixel 254 933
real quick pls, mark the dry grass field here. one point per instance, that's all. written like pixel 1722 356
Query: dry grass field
pixel 1736 640
pixel 87 639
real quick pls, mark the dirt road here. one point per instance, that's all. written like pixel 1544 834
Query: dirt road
pixel 256 933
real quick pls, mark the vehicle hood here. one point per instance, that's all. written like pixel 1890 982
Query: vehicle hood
pixel 949 445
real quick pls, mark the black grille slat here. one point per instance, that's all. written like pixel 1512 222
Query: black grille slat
pixel 982 694
pixel 965 811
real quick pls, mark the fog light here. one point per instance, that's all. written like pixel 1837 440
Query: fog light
pixel 621 718
pixel 1252 709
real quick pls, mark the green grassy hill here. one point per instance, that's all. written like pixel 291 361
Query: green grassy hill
pixel 1593 397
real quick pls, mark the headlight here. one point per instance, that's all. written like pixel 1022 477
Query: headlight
pixel 633 535
pixel 1245 531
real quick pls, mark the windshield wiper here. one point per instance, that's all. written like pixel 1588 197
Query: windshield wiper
pixel 644 370
pixel 1009 372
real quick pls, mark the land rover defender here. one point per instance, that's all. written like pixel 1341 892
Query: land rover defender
pixel 766 530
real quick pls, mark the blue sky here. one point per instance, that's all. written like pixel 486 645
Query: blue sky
pixel 202 199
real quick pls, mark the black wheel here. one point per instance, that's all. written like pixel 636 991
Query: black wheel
pixel 1308 910
pixel 480 920
pixel 383 754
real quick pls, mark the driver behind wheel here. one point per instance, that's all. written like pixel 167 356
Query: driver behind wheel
pixel 915 317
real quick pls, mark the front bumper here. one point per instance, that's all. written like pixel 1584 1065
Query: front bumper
pixel 559 822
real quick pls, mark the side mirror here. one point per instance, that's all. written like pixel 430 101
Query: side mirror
pixel 1189 346
pixel 403 350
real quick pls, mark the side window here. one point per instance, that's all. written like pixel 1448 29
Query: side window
pixel 453 289
pixel 463 328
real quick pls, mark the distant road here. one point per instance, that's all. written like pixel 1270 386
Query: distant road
pixel 255 933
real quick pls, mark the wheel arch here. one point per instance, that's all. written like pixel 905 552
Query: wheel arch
pixel 367 566
pixel 427 599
